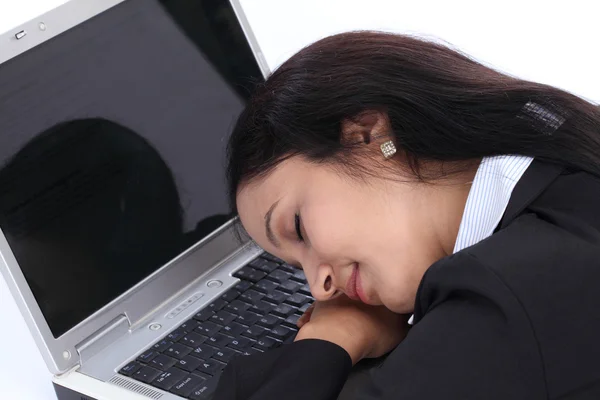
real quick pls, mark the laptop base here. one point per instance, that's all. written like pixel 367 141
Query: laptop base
pixel 77 386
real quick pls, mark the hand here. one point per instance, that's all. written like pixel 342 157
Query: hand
pixel 363 331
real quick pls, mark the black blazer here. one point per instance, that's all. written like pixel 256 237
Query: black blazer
pixel 516 316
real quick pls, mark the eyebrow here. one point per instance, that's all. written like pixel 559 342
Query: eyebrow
pixel 268 230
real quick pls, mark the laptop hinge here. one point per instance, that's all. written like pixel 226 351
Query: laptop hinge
pixel 104 336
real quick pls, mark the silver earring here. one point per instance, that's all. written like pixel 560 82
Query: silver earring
pixel 388 149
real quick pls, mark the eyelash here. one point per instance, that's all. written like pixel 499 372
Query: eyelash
pixel 298 230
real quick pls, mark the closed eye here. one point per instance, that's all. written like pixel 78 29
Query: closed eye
pixel 298 228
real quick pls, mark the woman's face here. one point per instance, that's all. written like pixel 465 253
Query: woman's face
pixel 372 240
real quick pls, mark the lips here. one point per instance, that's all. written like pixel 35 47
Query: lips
pixel 353 286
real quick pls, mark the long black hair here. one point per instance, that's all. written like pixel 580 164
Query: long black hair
pixel 441 104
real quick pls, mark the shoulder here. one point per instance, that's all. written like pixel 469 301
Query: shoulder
pixel 540 279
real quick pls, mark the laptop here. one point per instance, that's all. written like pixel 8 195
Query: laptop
pixel 116 239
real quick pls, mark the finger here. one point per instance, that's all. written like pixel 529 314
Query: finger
pixel 305 317
pixel 303 320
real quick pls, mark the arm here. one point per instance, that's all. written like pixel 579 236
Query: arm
pixel 340 332
pixel 464 349
pixel 473 340
pixel 306 369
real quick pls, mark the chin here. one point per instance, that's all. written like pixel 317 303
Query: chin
pixel 399 307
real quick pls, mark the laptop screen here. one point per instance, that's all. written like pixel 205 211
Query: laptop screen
pixel 112 139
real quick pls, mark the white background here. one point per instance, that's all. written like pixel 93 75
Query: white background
pixel 547 41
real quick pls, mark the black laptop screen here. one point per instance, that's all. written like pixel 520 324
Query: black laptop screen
pixel 112 139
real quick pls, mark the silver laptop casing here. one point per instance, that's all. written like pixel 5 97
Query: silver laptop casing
pixel 102 343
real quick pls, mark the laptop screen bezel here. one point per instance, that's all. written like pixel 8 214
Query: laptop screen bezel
pixel 61 354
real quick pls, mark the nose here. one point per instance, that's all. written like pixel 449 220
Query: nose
pixel 323 286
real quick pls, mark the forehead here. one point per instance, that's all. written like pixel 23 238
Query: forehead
pixel 291 178
pixel 260 193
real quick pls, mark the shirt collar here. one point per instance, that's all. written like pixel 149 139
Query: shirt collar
pixel 488 198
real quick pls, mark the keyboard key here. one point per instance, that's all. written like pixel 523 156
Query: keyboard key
pixel 203 315
pixel 290 286
pixel 276 297
pixel 240 343
pixel 271 257
pixel 176 335
pixel 146 374
pixel 178 351
pixel 268 321
pixel 305 290
pixel 265 286
pixel 187 385
pixel 208 328
pixel 216 305
pixel 292 320
pixel 283 311
pixel 248 318
pixel 162 345
pixel 218 340
pixel 266 343
pixel 190 325
pixel 189 363
pixel 162 362
pixel 257 276
pixel 224 355
pixel 250 274
pixel 252 351
pixel 288 268
pixel 193 339
pixel 230 295
pixel 269 267
pixel 298 275
pixel 251 296
pixel 279 276
pixel 254 332
pixel 203 375
pixel 237 307
pixel 243 272
pixel 262 308
pixel 233 329
pixel 205 390
pixel 264 265
pixel 210 367
pixel 243 286
pixel 204 351
pixel 130 368
pixel 257 262
pixel 148 355
pixel 168 379
pixel 297 300
pixel 223 318
pixel 281 332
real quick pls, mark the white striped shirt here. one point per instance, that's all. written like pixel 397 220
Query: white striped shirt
pixel 488 198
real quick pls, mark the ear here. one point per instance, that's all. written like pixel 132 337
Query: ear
pixel 365 127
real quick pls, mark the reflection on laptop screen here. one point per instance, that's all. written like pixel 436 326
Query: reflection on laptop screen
pixel 112 141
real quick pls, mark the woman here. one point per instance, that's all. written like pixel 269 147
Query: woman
pixel 408 180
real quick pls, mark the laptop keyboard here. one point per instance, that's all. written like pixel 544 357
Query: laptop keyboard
pixel 258 314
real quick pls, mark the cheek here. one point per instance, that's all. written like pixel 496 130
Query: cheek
pixel 396 277
pixel 330 229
